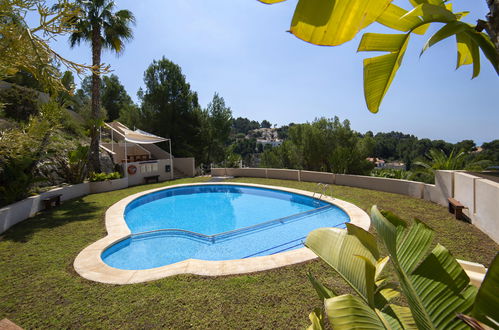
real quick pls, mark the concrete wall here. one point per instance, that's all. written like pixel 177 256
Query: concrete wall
pixel 486 216
pixel 218 171
pixel 464 189
pixel 108 185
pixel 22 210
pixel 250 172
pixel 444 180
pixel 283 174
pixel 185 165
pixel 148 168
pixel 322 177
pixel 433 194
pixel 403 187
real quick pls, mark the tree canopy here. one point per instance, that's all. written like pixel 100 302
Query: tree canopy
pixel 327 145
pixel 170 108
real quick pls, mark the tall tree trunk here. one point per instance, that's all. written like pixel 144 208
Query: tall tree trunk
pixel 491 25
pixel 94 160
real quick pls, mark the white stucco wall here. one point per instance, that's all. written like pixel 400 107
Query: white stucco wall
pixel 186 165
pixel 148 168
pixel 108 185
pixel 486 215
pixel 444 180
pixel 282 174
pixel 22 210
pixel 464 190
pixel 403 187
pixel 322 177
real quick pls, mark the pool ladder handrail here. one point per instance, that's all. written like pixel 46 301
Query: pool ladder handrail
pixel 323 187
pixel 212 238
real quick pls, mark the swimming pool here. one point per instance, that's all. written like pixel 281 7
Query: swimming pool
pixel 217 222
pixel 89 262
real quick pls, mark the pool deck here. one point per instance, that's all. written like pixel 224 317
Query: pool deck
pixel 89 263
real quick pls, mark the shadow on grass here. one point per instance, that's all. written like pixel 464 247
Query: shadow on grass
pixel 69 212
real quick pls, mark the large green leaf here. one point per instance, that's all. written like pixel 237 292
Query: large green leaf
pixel 269 2
pixel 334 22
pixel 379 71
pixel 436 287
pixel 343 251
pixel 430 12
pixel 317 320
pixel 487 47
pixel 323 291
pixel 486 307
pixel 392 18
pixel 399 317
pixel 350 312
pixel 467 52
pixel 415 3
pixel 464 56
pixel 446 31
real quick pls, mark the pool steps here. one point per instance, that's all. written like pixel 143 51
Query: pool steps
pixel 232 233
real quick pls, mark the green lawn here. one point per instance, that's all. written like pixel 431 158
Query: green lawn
pixel 40 289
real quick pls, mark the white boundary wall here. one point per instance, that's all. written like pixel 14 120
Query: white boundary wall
pixel 27 208
pixel 479 196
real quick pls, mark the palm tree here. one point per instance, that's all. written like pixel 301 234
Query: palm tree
pixel 439 160
pixel 103 29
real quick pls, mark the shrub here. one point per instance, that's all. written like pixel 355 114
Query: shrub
pixel 94 177
pixel 19 102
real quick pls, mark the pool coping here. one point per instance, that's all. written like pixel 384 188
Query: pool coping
pixel 89 264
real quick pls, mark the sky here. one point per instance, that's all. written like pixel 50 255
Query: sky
pixel 241 50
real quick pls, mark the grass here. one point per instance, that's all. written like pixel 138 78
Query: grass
pixel 40 289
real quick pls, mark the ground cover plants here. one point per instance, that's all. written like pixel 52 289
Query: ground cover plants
pixel 40 289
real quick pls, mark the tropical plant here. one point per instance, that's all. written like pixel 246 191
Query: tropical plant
pixel 73 167
pixel 439 160
pixel 103 29
pixel 26 48
pixel 392 173
pixel 22 149
pixel 94 177
pixel 436 288
pixel 334 22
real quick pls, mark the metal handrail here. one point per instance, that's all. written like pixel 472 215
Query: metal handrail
pixel 212 238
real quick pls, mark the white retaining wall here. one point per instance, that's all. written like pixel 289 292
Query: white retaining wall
pixel 479 196
pixel 464 190
pixel 311 176
pixel 186 165
pixel 403 187
pixel 486 216
pixel 17 212
pixel 108 185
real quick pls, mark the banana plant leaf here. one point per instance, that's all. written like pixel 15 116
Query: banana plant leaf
pixel 435 285
pixel 486 307
pixel 334 22
pixel 347 255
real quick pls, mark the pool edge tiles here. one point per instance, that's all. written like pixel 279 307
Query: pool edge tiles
pixel 89 264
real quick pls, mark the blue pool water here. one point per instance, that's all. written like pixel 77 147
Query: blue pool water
pixel 217 222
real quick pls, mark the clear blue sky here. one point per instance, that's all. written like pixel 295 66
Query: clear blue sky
pixel 240 49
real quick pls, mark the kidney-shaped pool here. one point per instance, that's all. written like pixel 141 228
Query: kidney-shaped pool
pixel 217 222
